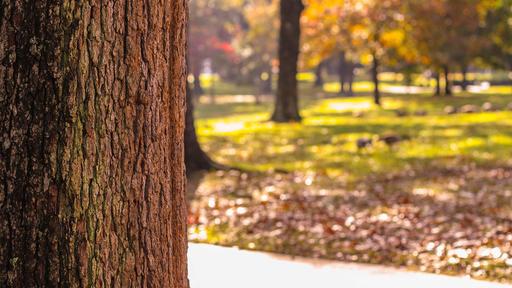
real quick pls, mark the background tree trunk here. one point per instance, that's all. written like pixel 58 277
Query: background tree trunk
pixel 437 78
pixel 350 77
pixel 447 83
pixel 375 79
pixel 92 114
pixel 267 83
pixel 286 104
pixel 341 72
pixel 195 158
pixel 510 77
pixel 319 78
pixel 464 83
pixel 196 72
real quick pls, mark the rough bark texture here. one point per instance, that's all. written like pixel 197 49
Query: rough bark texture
pixel 195 158
pixel 286 104
pixel 92 97
pixel 375 79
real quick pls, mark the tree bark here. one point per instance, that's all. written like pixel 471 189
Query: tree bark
pixel 195 158
pixel 375 79
pixel 447 83
pixel 287 103
pixel 92 97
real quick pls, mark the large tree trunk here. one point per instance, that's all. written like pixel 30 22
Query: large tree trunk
pixel 375 79
pixel 92 97
pixel 447 83
pixel 286 104
pixel 195 158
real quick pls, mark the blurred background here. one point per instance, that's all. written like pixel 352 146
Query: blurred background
pixel 373 131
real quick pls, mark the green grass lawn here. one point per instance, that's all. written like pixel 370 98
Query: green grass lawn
pixel 438 202
pixel 325 142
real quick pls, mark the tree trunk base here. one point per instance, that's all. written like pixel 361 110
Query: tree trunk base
pixel 280 118
pixel 205 163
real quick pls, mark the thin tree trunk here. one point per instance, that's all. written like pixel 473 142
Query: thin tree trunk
pixel 341 72
pixel 267 83
pixel 464 85
pixel 92 100
pixel 212 90
pixel 198 88
pixel 287 103
pixel 350 76
pixel 319 79
pixel 510 72
pixel 375 79
pixel 212 85
pixel 264 85
pixel 509 77
pixel 447 83
pixel 258 85
pixel 437 78
pixel 195 158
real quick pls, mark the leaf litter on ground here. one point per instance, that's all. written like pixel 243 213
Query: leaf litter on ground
pixel 448 220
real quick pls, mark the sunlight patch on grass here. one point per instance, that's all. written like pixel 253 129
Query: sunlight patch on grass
pixel 306 77
pixel 345 105
pixel 501 139
pixel 222 127
pixel 501 90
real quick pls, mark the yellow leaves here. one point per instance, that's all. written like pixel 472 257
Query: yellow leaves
pixel 366 59
pixel 393 38
pixel 357 27
pixel 330 26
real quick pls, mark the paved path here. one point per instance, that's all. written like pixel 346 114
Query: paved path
pixel 218 267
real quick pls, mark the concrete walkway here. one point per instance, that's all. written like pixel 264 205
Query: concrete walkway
pixel 218 267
